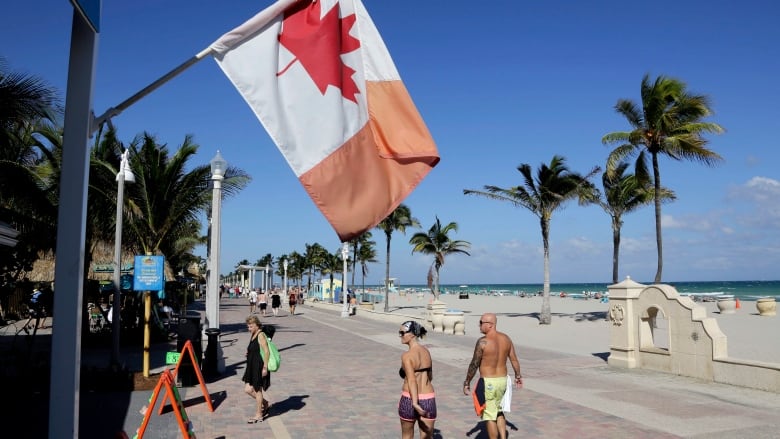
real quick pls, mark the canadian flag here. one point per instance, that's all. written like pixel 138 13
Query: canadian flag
pixel 320 79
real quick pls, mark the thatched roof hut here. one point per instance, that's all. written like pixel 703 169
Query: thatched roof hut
pixel 101 267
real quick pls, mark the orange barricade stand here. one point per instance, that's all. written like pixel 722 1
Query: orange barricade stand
pixel 166 381
pixel 189 349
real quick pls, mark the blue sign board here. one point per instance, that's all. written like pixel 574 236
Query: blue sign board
pixel 149 273
pixel 90 10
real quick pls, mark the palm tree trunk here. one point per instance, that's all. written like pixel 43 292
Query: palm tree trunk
pixel 615 248
pixel 387 275
pixel 436 292
pixel 545 317
pixel 658 240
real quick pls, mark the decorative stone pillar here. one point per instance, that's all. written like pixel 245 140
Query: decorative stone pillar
pixel 460 325
pixel 437 314
pixel 449 319
pixel 623 317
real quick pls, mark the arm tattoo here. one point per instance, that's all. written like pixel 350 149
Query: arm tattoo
pixel 476 360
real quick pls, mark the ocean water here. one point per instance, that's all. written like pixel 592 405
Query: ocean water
pixel 744 290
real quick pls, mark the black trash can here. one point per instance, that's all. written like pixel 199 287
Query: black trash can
pixel 189 330
pixel 211 360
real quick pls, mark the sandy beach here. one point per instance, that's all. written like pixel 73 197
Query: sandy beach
pixel 579 326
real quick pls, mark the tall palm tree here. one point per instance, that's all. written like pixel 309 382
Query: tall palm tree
pixel 366 254
pixel 437 242
pixel 553 186
pixel 624 193
pixel 313 259
pixel 356 243
pixel 399 219
pixel 669 122
pixel 331 264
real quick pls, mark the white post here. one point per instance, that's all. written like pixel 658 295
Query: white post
pixel 284 287
pixel 65 372
pixel 124 174
pixel 267 277
pixel 344 289
pixel 218 166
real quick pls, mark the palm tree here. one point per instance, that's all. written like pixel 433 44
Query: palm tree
pixel 29 168
pixel 436 242
pixel 166 199
pixel 25 101
pixel 553 186
pixel 330 264
pixel 313 259
pixel 356 243
pixel 366 254
pixel 624 193
pixel 669 122
pixel 399 219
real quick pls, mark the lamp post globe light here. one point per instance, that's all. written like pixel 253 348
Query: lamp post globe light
pixel 124 175
pixel 344 289
pixel 284 287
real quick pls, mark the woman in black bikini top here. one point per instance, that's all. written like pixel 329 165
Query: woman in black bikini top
pixel 429 369
pixel 418 400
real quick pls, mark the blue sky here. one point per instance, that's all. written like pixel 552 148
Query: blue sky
pixel 499 84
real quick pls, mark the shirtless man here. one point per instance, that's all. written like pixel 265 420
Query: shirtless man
pixel 490 355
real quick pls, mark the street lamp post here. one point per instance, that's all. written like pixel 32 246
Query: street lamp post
pixel 284 287
pixel 267 277
pixel 344 289
pixel 213 363
pixel 218 167
pixel 124 175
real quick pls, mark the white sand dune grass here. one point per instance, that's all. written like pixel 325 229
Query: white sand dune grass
pixel 579 326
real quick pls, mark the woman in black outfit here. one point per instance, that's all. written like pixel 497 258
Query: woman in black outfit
pixel 256 375
pixel 276 302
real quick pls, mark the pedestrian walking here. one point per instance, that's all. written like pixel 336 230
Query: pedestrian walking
pixel 262 300
pixel 256 375
pixel 252 301
pixel 418 400
pixel 276 302
pixel 491 353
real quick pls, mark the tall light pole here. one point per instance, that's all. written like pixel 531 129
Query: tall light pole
pixel 344 289
pixel 284 287
pixel 267 277
pixel 218 167
pixel 124 175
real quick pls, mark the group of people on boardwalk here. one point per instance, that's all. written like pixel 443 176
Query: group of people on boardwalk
pixel 417 405
pixel 258 300
pixel 491 352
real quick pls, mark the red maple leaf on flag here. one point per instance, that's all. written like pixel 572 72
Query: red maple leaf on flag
pixel 318 44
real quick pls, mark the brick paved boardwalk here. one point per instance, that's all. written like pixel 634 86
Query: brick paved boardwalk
pixel 339 378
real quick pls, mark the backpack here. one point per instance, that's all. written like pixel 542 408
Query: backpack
pixel 274 360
